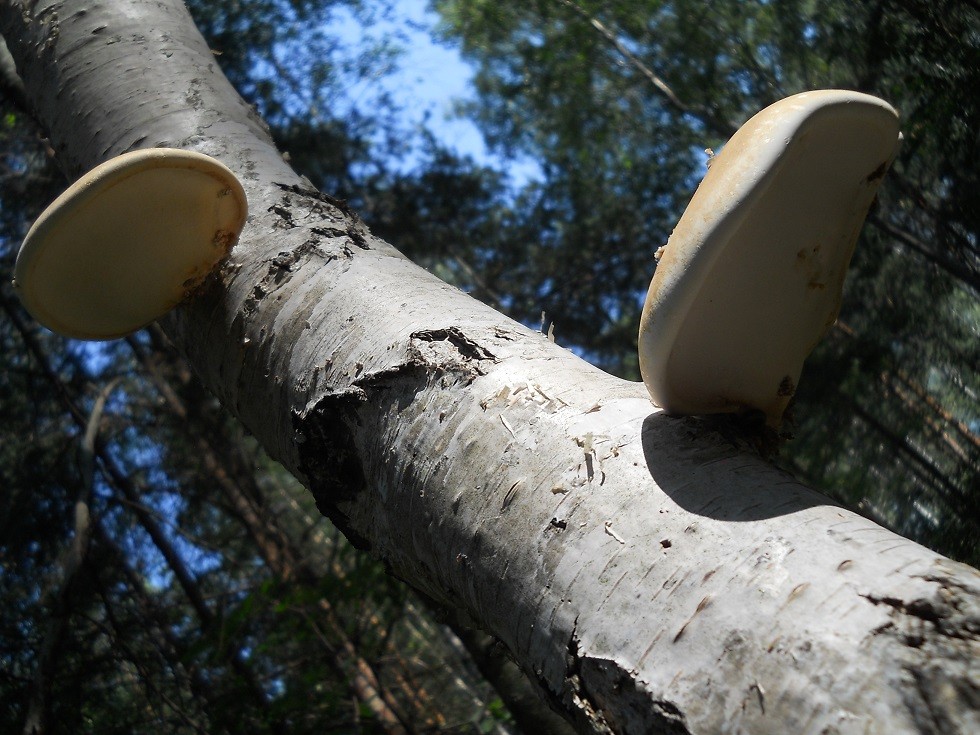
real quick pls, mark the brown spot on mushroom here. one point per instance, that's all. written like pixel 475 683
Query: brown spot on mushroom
pixel 224 239
pixel 878 173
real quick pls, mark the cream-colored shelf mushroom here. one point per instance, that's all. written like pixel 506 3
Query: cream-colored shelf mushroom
pixel 751 278
pixel 129 241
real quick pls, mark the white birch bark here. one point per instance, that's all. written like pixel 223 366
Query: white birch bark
pixel 647 574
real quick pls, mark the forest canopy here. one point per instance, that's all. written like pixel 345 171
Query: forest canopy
pixel 200 590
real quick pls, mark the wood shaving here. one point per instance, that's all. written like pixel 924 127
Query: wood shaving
pixel 609 530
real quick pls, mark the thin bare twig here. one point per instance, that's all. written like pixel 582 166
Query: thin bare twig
pixel 60 601
pixel 711 121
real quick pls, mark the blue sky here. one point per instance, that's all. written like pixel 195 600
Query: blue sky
pixel 433 77
pixel 429 80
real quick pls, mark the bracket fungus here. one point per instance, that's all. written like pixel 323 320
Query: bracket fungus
pixel 752 276
pixel 129 241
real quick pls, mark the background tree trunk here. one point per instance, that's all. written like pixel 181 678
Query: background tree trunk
pixel 650 576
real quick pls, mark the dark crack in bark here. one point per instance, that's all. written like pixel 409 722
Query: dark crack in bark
pixel 941 684
pixel 328 207
pixel 329 459
pixel 337 473
pixel 284 266
pixel 625 704
pixel 608 699
pixel 943 613
pixel 466 347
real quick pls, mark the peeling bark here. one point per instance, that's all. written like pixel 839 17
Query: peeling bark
pixel 647 574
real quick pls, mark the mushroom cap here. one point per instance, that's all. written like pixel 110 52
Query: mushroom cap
pixel 128 241
pixel 751 278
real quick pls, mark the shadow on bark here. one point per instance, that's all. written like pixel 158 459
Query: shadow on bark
pixel 711 467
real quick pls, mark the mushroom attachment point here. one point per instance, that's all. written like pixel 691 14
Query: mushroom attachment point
pixel 752 276
pixel 129 241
